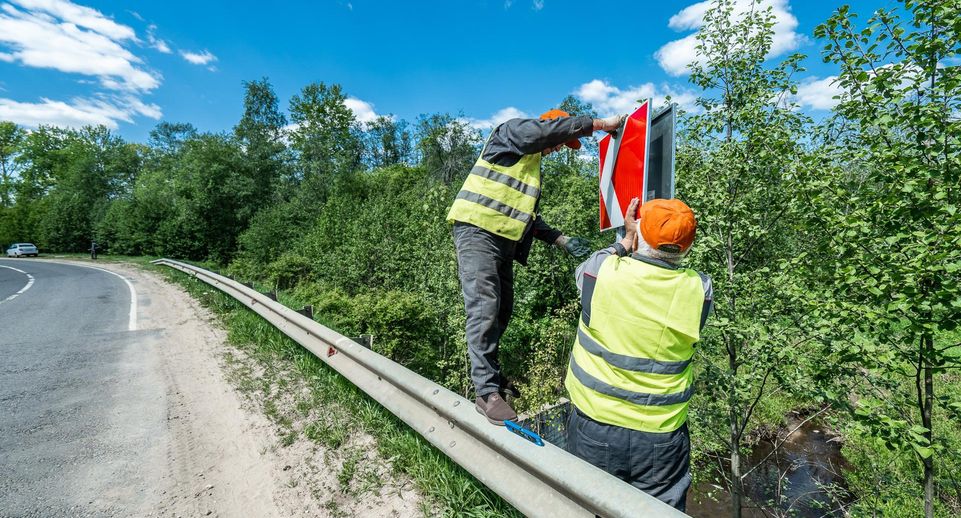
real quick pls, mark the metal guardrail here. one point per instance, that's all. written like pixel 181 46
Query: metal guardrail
pixel 538 481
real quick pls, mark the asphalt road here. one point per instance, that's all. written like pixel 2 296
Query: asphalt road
pixel 80 403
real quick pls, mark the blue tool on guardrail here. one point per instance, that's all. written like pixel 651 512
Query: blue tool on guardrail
pixel 524 432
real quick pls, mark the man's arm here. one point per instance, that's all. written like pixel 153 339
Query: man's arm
pixel 517 137
pixel 545 232
pixel 535 135
pixel 591 266
pixel 623 247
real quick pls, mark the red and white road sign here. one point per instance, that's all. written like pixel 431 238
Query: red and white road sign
pixel 623 166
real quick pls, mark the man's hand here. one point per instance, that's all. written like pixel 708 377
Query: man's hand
pixel 630 225
pixel 575 246
pixel 609 124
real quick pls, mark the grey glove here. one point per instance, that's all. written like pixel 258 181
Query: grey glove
pixel 613 123
pixel 577 247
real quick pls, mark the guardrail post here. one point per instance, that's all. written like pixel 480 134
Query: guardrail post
pixel 307 311
pixel 365 340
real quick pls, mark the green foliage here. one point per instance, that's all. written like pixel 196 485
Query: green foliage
pixel 738 168
pixel 387 142
pixel 323 134
pixel 261 133
pixel 11 138
pixel 888 198
pixel 447 146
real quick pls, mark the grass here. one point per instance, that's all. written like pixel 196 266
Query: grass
pixel 336 410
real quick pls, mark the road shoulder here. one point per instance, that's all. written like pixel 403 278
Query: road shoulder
pixel 224 455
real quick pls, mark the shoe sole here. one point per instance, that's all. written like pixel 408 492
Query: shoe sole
pixel 492 421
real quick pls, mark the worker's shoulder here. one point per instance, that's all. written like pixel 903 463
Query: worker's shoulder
pixel 509 129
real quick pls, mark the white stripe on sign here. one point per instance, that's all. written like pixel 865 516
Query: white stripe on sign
pixel 23 289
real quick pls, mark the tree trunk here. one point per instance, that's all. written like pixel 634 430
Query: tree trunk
pixel 926 411
pixel 735 444
pixel 735 480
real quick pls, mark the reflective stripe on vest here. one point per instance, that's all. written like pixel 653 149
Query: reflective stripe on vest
pixel 500 199
pixel 631 362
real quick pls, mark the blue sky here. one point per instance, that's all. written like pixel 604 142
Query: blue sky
pixel 130 65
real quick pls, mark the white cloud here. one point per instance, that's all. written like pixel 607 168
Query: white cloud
pixel 502 115
pixel 161 45
pixel 78 112
pixel 198 58
pixel 156 42
pixel 675 55
pixel 79 15
pixel 608 99
pixel 538 5
pixel 74 39
pixel 817 94
pixel 363 110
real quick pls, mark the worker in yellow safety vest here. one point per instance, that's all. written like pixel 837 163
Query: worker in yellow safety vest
pixel 495 220
pixel 630 374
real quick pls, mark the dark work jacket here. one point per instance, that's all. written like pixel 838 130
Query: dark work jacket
pixel 515 138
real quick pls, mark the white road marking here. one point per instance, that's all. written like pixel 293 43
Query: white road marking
pixel 132 320
pixel 23 289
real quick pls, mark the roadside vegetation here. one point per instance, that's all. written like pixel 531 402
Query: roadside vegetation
pixel 834 245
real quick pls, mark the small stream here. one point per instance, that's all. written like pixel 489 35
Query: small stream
pixel 802 479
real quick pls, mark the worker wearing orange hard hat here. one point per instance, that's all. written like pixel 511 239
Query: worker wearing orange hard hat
pixel 495 221
pixel 630 375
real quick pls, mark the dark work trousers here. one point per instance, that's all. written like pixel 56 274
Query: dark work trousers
pixel 485 265
pixel 657 463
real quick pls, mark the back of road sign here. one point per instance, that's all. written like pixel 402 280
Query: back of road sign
pixel 637 162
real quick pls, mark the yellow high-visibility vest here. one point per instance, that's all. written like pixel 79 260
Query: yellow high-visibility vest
pixel 631 362
pixel 500 199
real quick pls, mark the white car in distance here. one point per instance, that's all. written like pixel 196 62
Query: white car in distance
pixel 22 249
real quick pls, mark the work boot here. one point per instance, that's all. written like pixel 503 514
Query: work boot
pixel 494 408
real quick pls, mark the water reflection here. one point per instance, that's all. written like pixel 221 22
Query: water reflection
pixel 803 478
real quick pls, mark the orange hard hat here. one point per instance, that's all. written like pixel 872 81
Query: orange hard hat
pixel 667 225
pixel 556 114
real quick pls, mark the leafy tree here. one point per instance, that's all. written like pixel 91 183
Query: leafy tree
pixel 261 133
pixel 737 166
pixel 95 166
pixel 323 135
pixel 448 147
pixel 891 211
pixel 11 137
pixel 387 142
pixel 211 190
pixel 167 138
